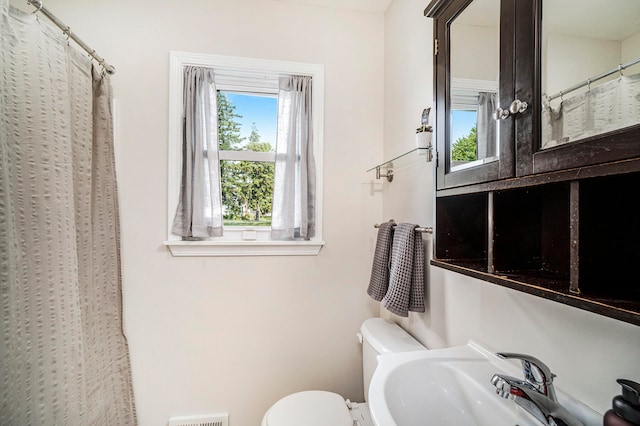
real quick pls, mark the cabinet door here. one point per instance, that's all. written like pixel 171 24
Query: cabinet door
pixel 475 53
pixel 588 93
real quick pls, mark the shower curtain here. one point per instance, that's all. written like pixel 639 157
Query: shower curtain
pixel 610 106
pixel 63 355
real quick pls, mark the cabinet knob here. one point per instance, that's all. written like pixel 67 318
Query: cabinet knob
pixel 518 106
pixel 501 114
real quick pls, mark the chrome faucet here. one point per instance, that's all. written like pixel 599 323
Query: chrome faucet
pixel 535 393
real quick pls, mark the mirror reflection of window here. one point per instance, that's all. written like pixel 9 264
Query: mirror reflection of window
pixel 473 128
pixel 474 65
pixel 590 68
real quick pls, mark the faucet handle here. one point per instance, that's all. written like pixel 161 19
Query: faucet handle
pixel 536 373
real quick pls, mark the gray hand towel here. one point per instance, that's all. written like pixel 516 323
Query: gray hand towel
pixel 406 275
pixel 379 281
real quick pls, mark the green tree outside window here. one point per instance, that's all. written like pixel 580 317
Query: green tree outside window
pixel 465 147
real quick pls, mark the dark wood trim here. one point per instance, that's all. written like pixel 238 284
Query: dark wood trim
pixel 434 8
pixel 598 170
pixel 507 86
pixel 491 267
pixel 440 74
pixel 526 123
pixel 574 245
pixel 607 147
pixel 483 173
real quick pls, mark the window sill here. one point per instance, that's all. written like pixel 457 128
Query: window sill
pixel 244 248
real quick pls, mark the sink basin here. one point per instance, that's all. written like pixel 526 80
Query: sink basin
pixel 445 387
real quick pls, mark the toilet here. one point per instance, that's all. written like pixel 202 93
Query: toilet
pixel 321 408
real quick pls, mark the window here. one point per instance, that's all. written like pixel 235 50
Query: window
pixel 247 111
pixel 247 123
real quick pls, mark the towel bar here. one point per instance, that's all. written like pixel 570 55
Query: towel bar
pixel 424 229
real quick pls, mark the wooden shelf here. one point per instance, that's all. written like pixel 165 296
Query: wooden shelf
pixel 620 309
pixel 572 241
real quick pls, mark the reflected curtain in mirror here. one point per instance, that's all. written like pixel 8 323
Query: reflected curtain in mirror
pixel 590 69
pixel 486 125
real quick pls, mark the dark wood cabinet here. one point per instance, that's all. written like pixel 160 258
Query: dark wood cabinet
pixel 558 222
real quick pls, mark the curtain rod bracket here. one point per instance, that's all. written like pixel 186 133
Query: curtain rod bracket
pixel 66 30
pixel 388 174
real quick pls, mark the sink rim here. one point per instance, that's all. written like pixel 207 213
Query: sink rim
pixel 390 363
pixel 472 351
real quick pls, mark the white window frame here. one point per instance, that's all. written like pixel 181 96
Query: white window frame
pixel 239 240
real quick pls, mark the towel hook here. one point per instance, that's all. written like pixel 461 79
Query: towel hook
pixel 67 33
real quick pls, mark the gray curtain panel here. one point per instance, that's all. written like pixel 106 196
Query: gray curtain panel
pixel 486 127
pixel 294 193
pixel 199 212
pixel 64 358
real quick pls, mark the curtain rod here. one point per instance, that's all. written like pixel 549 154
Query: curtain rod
pixel 588 81
pixel 110 69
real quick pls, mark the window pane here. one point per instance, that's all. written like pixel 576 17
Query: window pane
pixel 247 122
pixel 247 192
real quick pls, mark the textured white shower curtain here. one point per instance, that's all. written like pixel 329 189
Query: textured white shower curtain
pixel 610 106
pixel 63 354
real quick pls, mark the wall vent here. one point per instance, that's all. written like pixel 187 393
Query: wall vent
pixel 219 419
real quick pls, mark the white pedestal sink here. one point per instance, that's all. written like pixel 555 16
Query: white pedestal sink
pixel 451 387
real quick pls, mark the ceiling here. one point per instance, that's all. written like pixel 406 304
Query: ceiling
pixel 374 6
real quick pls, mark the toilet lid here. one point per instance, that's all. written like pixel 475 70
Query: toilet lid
pixel 309 408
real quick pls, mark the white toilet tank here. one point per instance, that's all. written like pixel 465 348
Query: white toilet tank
pixel 321 408
pixel 380 336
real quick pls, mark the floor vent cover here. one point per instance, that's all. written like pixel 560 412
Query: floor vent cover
pixel 220 419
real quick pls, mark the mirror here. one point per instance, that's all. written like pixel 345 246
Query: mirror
pixel 584 91
pixel 475 67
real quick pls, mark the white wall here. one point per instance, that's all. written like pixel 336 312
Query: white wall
pixel 236 334
pixel 475 52
pixel 631 50
pixel 568 60
pixel 588 352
